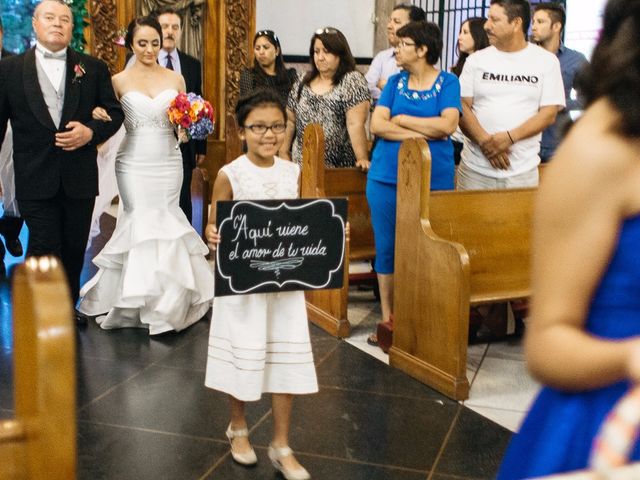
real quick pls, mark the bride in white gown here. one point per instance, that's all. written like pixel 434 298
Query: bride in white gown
pixel 152 272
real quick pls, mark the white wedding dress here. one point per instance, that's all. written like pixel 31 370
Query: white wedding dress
pixel 152 272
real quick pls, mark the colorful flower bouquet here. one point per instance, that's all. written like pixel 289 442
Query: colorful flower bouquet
pixel 191 114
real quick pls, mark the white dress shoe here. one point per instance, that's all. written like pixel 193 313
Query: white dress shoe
pixel 276 454
pixel 247 458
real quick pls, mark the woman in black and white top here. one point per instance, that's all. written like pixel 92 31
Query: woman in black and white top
pixel 269 70
pixel 335 95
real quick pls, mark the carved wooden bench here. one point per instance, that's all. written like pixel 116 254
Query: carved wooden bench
pixel 453 249
pixel 40 442
pixel 328 308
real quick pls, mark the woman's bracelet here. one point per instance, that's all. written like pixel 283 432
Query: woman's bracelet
pixel 510 138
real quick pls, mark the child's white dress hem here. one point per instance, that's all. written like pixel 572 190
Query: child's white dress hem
pixel 259 343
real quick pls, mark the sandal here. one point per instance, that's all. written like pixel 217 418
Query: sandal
pixel 372 340
pixel 247 458
pixel 278 453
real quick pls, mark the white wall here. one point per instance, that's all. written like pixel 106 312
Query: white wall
pixel 584 21
pixel 294 21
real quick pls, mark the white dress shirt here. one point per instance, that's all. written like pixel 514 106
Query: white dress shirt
pixel 54 68
pixel 175 59
pixel 382 66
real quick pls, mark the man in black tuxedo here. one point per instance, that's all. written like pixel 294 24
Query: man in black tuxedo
pixel 193 152
pixel 10 225
pixel 48 94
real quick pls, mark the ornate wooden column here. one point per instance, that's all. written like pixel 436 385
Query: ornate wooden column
pixel 106 18
pixel 229 28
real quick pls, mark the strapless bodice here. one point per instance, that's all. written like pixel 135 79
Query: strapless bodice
pixel 144 112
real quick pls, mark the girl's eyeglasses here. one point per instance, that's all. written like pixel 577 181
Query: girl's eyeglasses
pixel 260 129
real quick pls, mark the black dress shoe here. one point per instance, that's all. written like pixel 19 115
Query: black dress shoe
pixel 3 269
pixel 14 247
pixel 81 318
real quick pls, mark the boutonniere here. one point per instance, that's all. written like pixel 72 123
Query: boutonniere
pixel 79 72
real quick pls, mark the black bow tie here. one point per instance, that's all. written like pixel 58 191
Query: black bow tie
pixel 55 56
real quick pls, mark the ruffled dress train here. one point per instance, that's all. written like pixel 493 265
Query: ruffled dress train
pixel 153 272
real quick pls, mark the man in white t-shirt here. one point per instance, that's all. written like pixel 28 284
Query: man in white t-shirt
pixel 511 91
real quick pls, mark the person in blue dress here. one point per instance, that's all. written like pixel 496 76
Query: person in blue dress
pixel 420 101
pixel 583 339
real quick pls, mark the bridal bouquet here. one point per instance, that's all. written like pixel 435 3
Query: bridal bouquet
pixel 192 115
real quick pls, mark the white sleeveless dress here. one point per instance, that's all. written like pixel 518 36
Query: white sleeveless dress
pixel 152 272
pixel 260 342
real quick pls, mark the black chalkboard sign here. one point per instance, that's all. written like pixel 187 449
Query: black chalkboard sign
pixel 278 245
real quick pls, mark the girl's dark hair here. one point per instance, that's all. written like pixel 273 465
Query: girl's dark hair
pixel 614 71
pixel 336 43
pixel 282 78
pixel 424 34
pixel 260 97
pixel 480 41
pixel 149 21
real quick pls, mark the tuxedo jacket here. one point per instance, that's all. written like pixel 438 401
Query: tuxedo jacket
pixel 191 71
pixel 41 168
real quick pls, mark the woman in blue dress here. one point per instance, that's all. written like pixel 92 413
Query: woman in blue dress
pixel 583 341
pixel 421 101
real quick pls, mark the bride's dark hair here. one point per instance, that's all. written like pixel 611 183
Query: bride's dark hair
pixel 614 71
pixel 138 22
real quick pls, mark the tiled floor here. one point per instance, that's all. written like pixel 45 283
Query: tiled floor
pixel 501 388
pixel 144 413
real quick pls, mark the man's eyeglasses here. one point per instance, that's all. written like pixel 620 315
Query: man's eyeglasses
pixel 260 129
pixel 403 44
pixel 330 30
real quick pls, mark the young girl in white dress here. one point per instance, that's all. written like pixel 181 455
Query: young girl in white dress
pixel 260 342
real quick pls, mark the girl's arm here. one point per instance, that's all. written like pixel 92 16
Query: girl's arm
pixel 580 207
pixel 356 118
pixel 285 149
pixel 382 126
pixel 431 127
pixel 221 191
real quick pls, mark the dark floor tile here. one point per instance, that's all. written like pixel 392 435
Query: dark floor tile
pixel 351 425
pixel 97 375
pixel 323 347
pixel 169 400
pixel 349 367
pixel 320 468
pixel 475 447
pixel 134 344
pixel 6 380
pixel 106 452
pixel 437 476
pixel 6 348
pixel 190 356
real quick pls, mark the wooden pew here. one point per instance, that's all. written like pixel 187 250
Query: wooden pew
pixel 328 308
pixel 453 249
pixel 40 442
